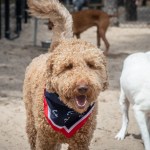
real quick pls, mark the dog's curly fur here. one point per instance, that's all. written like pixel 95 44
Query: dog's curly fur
pixel 71 64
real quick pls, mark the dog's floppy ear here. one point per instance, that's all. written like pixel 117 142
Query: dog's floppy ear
pixel 57 14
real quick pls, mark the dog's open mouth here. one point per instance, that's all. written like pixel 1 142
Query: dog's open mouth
pixel 81 101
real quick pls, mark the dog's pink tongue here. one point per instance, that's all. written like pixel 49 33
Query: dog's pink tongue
pixel 81 101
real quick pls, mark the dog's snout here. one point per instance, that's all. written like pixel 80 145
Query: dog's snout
pixel 82 89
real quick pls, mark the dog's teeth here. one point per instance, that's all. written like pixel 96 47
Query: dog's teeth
pixel 80 104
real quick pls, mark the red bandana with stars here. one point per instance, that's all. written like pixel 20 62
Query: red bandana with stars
pixel 61 117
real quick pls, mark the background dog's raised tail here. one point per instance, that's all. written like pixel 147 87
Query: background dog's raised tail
pixel 57 14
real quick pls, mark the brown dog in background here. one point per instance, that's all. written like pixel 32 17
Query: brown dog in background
pixel 84 19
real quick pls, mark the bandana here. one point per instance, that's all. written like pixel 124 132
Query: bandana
pixel 62 118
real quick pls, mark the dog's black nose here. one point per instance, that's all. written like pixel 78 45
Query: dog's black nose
pixel 82 89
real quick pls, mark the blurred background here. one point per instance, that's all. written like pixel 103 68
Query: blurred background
pixel 13 13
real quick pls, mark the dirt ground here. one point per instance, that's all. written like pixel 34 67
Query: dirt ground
pixel 17 54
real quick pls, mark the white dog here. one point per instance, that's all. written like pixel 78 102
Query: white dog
pixel 135 88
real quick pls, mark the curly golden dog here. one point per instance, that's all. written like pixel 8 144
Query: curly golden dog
pixel 61 87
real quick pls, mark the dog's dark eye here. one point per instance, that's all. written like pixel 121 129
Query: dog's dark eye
pixel 69 67
pixel 91 65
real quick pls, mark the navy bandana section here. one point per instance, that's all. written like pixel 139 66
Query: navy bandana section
pixel 62 118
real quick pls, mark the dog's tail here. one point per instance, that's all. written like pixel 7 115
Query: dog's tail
pixel 57 14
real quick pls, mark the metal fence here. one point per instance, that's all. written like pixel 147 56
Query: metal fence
pixel 143 17
pixel 12 15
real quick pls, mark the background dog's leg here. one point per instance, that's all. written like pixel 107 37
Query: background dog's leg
pixel 98 38
pixel 102 35
pixel 141 120
pixel 78 36
pixel 125 118
pixel 148 123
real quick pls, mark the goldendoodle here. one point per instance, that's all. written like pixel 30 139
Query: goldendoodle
pixel 61 87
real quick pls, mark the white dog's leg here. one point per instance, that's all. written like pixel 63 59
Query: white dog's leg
pixel 141 120
pixel 148 124
pixel 125 119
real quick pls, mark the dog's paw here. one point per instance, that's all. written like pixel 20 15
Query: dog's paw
pixel 120 135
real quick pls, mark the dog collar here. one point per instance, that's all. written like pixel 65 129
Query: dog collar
pixel 62 118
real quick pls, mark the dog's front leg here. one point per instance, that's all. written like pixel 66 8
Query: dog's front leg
pixel 141 120
pixel 125 119
pixel 46 142
pixel 78 147
pixel 81 141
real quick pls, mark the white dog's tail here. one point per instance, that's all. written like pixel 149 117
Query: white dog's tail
pixel 57 14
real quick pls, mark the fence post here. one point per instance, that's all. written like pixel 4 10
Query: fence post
pixel 18 15
pixel 25 12
pixel 7 27
pixel 35 31
pixel 131 10
pixel 0 22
